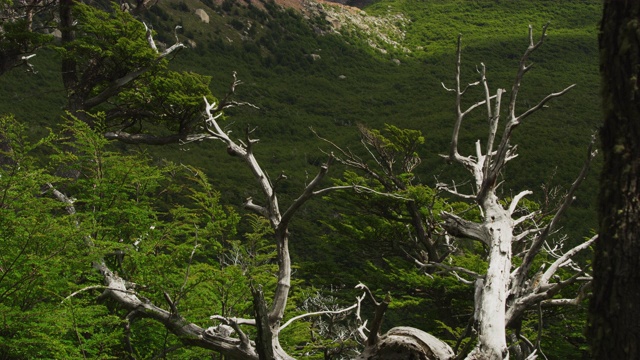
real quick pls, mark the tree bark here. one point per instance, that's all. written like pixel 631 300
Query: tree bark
pixel 492 342
pixel 264 338
pixel 615 306
pixel 69 72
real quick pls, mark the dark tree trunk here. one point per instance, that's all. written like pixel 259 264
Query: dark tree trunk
pixel 264 338
pixel 69 74
pixel 614 326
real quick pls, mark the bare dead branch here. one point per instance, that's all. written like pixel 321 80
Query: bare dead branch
pixel 541 104
pixel 188 270
pixel 561 260
pixel 150 40
pixel 493 115
pixel 172 305
pixel 83 290
pixel 526 217
pixel 523 68
pixel 451 269
pixel 63 198
pixel 334 145
pixel 325 312
pixel 148 139
pixel 366 290
pixel 445 187
pixel 453 151
pixel 546 231
pixel 457 226
pixel 261 210
pixel 516 199
pixel 376 324
pixel 307 193
pixel 233 320
pixel 234 324
pixel 582 294
pixel 525 233
pixel 537 294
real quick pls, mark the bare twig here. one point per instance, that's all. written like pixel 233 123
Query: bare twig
pixel 324 312
pixel 452 269
pixel 83 290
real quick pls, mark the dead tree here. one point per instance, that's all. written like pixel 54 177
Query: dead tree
pixel 228 337
pixel 243 149
pixel 505 291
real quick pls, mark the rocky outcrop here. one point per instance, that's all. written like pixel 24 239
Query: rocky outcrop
pixel 204 17
pixel 382 32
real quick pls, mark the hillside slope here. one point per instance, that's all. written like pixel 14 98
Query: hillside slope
pixel 336 66
pixel 331 67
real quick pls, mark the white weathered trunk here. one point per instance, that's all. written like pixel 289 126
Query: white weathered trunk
pixel 490 316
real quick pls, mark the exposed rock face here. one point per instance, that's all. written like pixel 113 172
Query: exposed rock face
pixel 381 32
pixel 345 16
pixel 204 17
pixel 354 3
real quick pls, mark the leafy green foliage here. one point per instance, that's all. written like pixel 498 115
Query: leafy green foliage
pixel 43 257
pixel 158 225
pixel 110 65
pixel 108 44
pixel 167 98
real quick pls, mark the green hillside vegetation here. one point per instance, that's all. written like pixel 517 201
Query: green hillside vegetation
pixel 354 83
pixel 294 93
